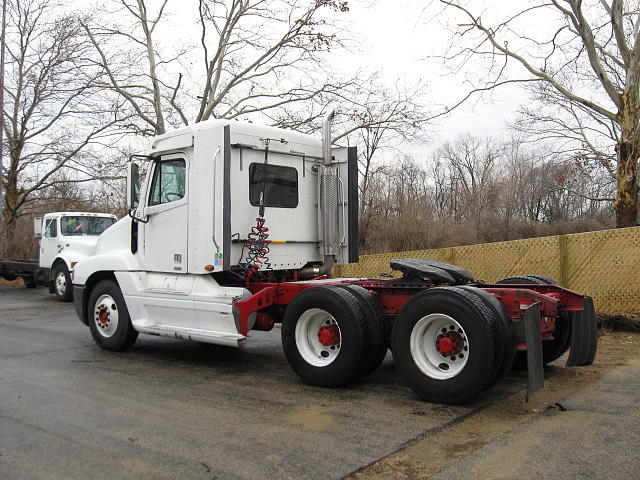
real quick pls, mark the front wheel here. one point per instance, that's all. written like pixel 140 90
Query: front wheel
pixel 62 283
pixel 445 342
pixel 108 317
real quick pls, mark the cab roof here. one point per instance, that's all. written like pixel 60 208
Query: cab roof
pixel 238 129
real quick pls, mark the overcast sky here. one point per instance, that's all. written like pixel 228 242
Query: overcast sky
pixel 397 37
pixel 400 36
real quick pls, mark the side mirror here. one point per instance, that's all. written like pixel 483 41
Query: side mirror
pixel 133 185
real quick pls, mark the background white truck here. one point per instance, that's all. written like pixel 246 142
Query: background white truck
pixel 237 226
pixel 64 239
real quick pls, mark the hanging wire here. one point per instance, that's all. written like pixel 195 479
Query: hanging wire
pixel 257 245
pixel 257 242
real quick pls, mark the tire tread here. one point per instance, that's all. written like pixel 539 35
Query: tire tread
pixel 377 338
pixel 508 341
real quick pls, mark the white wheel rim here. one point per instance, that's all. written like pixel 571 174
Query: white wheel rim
pixel 105 315
pixel 432 337
pixel 61 283
pixel 313 326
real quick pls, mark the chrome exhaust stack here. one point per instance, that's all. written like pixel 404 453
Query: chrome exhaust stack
pixel 326 136
pixel 327 206
pixel 328 193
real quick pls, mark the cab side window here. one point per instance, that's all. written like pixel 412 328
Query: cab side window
pixel 51 228
pixel 169 182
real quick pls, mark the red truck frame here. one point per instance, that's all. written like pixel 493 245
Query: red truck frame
pixel 533 304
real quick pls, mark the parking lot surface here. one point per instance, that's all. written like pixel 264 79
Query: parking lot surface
pixel 177 409
pixel 595 436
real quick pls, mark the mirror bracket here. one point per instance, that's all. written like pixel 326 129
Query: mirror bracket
pixel 133 184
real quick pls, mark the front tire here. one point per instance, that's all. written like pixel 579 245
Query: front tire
pixel 445 343
pixel 109 319
pixel 62 283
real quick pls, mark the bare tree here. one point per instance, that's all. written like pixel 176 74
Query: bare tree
pixel 251 56
pixel 379 120
pixel 478 189
pixel 53 115
pixel 471 161
pixel 570 129
pixel 590 57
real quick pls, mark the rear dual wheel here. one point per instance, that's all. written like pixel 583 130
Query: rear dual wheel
pixel 323 332
pixel 332 335
pixel 450 344
pixel 551 349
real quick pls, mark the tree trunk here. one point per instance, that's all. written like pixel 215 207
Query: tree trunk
pixel 9 232
pixel 9 208
pixel 626 204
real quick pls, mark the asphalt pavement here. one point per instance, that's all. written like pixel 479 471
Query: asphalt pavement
pixel 595 435
pixel 178 409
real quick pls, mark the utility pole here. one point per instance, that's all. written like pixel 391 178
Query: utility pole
pixel 3 237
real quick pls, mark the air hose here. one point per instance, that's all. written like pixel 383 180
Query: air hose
pixel 257 242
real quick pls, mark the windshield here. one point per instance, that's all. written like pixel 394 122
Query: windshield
pixel 83 225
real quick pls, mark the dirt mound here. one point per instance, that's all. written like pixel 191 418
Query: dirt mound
pixel 14 283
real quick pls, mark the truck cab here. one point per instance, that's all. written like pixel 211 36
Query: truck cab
pixel 65 239
pixel 194 226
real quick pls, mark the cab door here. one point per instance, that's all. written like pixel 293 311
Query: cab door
pixel 165 232
pixel 49 245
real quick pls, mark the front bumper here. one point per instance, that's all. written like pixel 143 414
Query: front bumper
pixel 79 302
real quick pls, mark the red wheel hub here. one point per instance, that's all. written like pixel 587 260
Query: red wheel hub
pixel 103 316
pixel 329 335
pixel 450 343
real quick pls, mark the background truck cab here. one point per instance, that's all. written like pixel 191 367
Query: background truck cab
pixel 64 239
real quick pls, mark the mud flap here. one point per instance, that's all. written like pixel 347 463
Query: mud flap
pixel 584 335
pixel 533 337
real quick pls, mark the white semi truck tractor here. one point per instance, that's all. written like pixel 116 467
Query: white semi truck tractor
pixel 64 238
pixel 236 227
